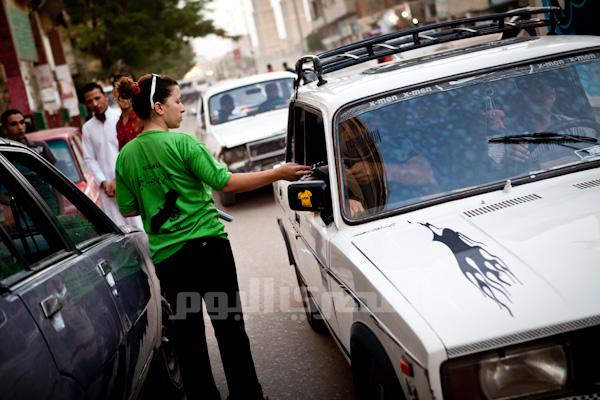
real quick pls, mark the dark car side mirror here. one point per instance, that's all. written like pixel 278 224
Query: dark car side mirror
pixel 311 196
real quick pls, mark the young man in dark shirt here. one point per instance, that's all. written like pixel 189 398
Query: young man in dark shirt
pixel 13 124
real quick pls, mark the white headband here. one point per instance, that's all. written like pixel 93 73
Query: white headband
pixel 152 90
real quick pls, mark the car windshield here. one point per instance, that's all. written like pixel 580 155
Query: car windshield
pixel 250 100
pixel 64 159
pixel 434 142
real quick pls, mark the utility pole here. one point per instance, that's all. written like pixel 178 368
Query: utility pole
pixel 252 52
pixel 299 25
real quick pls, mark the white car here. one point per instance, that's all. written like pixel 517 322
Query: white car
pixel 243 122
pixel 449 238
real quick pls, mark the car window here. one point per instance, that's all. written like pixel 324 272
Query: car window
pixel 64 159
pixel 439 140
pixel 250 100
pixel 73 212
pixel 25 235
pixel 9 263
pixel 308 138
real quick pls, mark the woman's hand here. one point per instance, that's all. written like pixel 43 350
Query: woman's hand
pixel 246 181
pixel 292 171
pixel 355 207
pixel 416 171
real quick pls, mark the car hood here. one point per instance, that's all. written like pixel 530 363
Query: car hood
pixel 261 126
pixel 510 268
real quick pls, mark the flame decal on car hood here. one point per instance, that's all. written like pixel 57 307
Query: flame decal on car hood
pixel 484 270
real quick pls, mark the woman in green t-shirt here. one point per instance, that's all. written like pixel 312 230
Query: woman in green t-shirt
pixel 167 177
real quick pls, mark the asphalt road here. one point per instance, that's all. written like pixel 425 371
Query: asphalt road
pixel 292 361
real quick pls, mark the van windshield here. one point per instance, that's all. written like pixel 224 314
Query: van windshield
pixel 250 100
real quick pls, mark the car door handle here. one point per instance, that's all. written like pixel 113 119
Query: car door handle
pixel 51 305
pixel 106 271
pixel 104 267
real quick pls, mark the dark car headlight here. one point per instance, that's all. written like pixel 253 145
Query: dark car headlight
pixel 510 374
pixel 235 154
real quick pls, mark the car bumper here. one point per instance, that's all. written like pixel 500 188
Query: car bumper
pixel 257 164
pixel 261 154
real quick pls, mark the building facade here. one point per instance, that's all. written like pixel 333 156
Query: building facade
pixel 338 22
pixel 281 27
pixel 36 63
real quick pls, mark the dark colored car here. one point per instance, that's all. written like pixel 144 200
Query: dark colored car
pixel 81 314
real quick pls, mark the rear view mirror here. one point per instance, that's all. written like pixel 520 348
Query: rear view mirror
pixel 308 196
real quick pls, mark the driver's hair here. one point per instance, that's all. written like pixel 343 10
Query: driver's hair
pixel 357 141
pixel 360 145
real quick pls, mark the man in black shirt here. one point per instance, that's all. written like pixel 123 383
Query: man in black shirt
pixel 13 124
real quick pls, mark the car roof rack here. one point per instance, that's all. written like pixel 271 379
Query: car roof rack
pixel 508 23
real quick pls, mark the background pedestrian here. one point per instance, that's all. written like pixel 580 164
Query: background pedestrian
pixel 100 150
pixel 128 125
pixel 14 126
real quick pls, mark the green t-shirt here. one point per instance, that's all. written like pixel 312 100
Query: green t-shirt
pixel 157 162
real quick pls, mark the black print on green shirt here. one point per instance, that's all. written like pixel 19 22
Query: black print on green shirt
pixel 168 211
pixel 154 179
pixel 153 174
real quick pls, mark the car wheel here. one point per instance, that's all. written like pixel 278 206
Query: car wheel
pixel 314 318
pixel 374 375
pixel 227 199
pixel 165 380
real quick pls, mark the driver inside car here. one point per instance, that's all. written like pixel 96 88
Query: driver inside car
pixel 227 106
pixel 273 100
pixel 539 113
pixel 374 175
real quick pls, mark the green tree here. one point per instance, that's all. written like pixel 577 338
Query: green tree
pixel 139 35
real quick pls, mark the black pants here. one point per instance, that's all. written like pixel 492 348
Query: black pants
pixel 205 268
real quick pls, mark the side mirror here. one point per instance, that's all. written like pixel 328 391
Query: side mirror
pixel 308 196
pixel 311 196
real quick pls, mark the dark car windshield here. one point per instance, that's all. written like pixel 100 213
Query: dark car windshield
pixel 434 141
pixel 64 159
pixel 250 100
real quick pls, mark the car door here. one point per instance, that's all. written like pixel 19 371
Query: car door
pixel 92 307
pixel 129 274
pixel 308 233
pixel 27 369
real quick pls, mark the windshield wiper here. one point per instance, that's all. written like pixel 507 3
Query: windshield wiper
pixel 542 137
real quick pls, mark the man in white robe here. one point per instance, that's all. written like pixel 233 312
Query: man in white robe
pixel 101 148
